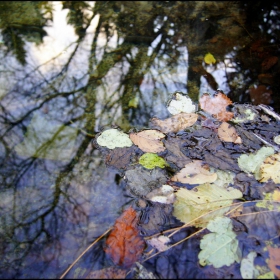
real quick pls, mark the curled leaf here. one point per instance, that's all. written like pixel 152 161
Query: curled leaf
pixel 148 140
pixel 175 123
pixel 216 106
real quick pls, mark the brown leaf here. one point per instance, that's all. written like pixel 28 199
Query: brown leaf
pixel 124 244
pixel 194 173
pixel 175 123
pixel 228 133
pixel 274 260
pixel 269 62
pixel 260 95
pixel 216 106
pixel 107 273
pixel 119 157
pixel 148 140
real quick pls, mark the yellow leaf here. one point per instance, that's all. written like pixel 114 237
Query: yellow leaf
pixel 270 169
pixel 209 58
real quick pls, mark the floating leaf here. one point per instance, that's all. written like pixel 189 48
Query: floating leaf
pixel 148 140
pixel 209 59
pixel 216 106
pixel 181 104
pixel 164 194
pixel 113 138
pixel 175 123
pixel 221 246
pixel 247 268
pixel 194 173
pixel 124 244
pixel 274 260
pixel 251 163
pixel 269 170
pixel 227 133
pixel 150 161
pixel 159 243
pixel 190 204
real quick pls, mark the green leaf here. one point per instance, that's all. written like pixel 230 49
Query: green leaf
pixel 151 160
pixel 221 246
pixel 190 204
pixel 251 163
pixel 113 138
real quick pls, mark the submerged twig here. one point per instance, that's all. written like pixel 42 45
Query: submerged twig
pixel 269 112
pixel 93 243
pixel 267 143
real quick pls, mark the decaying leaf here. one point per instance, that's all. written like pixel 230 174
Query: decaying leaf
pixel 274 260
pixel 151 160
pixel 221 246
pixel 216 106
pixel 113 138
pixel 251 163
pixel 119 157
pixel 124 244
pixel 247 268
pixel 228 133
pixel 160 242
pixel 194 173
pixel 141 181
pixel 164 194
pixel 190 204
pixel 175 123
pixel 111 272
pixel 148 140
pixel 270 169
pixel 181 104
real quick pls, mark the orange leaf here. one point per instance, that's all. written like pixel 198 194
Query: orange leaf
pixel 228 133
pixel 274 260
pixel 216 106
pixel 124 244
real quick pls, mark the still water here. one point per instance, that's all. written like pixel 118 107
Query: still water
pixel 71 69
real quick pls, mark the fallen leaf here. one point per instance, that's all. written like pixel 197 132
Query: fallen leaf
pixel 194 173
pixel 190 204
pixel 227 133
pixel 111 272
pixel 174 145
pixel 150 161
pixel 274 260
pixel 164 194
pixel 148 140
pixel 209 59
pixel 119 157
pixel 269 169
pixel 124 244
pixel 175 123
pixel 159 243
pixel 251 163
pixel 112 138
pixel 216 106
pixel 181 104
pixel 247 268
pixel 269 62
pixel 220 247
pixel 141 181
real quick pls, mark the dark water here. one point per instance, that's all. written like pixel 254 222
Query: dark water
pixel 69 70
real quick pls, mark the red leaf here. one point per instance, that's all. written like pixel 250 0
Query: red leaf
pixel 124 244
pixel 274 260
pixel 216 106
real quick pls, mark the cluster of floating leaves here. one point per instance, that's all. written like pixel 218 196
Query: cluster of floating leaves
pixel 199 164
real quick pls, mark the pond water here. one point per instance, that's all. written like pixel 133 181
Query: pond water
pixel 72 69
